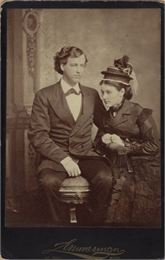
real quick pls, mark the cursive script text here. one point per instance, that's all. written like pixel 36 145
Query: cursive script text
pixel 85 252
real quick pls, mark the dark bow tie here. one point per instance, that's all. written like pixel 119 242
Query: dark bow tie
pixel 72 91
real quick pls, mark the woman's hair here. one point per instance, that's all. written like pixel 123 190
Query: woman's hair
pixel 62 56
pixel 128 89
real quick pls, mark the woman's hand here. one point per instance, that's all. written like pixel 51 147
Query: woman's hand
pixel 117 139
pixel 108 138
pixel 114 143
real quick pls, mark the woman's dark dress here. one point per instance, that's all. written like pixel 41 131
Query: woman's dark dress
pixel 136 197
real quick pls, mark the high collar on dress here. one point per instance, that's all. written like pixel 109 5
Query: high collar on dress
pixel 114 110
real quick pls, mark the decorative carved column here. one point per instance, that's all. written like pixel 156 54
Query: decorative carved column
pixel 11 112
pixel 31 72
pixel 17 117
pixel 30 24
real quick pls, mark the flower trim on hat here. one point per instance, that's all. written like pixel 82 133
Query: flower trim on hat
pixel 126 67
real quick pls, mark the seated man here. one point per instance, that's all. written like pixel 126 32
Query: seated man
pixel 60 131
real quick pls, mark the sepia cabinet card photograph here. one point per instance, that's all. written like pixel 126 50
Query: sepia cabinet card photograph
pixel 82 130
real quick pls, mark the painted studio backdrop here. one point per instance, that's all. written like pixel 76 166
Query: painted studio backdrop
pixel 33 38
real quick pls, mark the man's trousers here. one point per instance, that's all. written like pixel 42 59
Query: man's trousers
pixel 95 171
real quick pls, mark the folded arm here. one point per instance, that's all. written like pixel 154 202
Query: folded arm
pixel 147 144
pixel 149 141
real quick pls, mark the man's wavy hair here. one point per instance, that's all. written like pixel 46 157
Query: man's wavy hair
pixel 62 56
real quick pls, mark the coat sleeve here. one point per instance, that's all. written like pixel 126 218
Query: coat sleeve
pixel 99 146
pixel 39 129
pixel 99 111
pixel 148 143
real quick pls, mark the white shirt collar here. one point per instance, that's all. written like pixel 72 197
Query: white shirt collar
pixel 65 86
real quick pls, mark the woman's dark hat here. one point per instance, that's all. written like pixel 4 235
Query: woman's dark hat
pixel 120 72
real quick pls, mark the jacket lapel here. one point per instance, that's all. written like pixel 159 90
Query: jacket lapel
pixel 60 106
pixel 86 109
pixel 121 117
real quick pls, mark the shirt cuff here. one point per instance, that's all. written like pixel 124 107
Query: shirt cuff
pixel 66 160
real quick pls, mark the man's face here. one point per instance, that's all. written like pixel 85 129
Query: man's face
pixel 73 70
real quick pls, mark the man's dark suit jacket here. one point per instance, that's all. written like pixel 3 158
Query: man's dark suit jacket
pixel 53 132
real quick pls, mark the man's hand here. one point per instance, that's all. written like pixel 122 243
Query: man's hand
pixel 72 169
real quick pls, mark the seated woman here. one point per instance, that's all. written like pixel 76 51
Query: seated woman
pixel 130 140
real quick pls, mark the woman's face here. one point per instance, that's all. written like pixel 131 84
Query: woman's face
pixel 111 95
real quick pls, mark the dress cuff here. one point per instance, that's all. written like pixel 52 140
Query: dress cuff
pixel 127 145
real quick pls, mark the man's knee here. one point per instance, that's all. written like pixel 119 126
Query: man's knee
pixel 49 180
pixel 103 178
